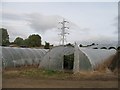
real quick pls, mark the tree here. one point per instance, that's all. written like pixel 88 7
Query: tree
pixel 34 40
pixel 118 48
pixel 80 45
pixel 26 42
pixel 103 48
pixel 19 41
pixel 95 48
pixel 69 44
pixel 93 44
pixel 111 48
pixel 47 45
pixel 5 37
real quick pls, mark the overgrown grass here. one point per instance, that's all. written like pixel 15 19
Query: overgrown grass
pixel 35 73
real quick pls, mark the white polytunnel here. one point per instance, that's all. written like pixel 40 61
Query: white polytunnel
pixel 75 58
pixel 97 56
pixel 13 56
pixel 65 57
pixel 89 59
pixel 54 58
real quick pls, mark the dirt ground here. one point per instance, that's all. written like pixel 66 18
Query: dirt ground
pixel 32 83
pixel 35 78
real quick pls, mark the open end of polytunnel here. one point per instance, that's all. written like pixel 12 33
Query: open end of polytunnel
pixel 68 62
pixel 59 58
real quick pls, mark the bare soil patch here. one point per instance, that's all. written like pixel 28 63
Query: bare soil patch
pixel 44 83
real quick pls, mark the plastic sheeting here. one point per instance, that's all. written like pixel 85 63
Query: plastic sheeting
pixel 89 59
pixel 84 59
pixel 81 61
pixel 54 58
pixel 12 56
pixel 98 56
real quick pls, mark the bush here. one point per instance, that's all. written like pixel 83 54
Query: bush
pixel 103 48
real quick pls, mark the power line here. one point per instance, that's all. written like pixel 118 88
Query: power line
pixel 63 31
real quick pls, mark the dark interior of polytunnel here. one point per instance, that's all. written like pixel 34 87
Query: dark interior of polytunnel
pixel 68 62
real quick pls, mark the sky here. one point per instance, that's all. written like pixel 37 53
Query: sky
pixel 88 21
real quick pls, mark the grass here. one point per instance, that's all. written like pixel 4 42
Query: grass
pixel 35 73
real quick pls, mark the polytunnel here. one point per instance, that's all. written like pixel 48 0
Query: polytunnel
pixel 89 59
pixel 13 56
pixel 54 58
pixel 75 58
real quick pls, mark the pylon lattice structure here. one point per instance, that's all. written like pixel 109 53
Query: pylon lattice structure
pixel 63 31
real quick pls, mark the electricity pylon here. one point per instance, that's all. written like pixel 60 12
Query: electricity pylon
pixel 63 31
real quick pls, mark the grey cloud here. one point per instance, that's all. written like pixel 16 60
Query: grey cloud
pixel 37 23
pixel 41 22
pixel 17 31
